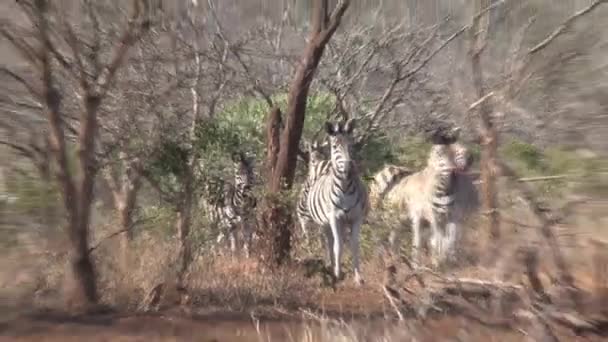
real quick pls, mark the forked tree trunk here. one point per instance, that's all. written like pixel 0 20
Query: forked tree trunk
pixel 184 209
pixel 275 243
pixel 80 286
pixel 277 218
pixel 76 189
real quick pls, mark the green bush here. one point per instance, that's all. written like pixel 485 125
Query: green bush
pixel 158 220
pixel 526 156
pixel 247 117
pixel 582 174
pixel 34 196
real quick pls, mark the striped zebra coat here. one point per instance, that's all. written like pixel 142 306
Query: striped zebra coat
pixel 233 208
pixel 317 166
pixel 338 198
pixel 441 195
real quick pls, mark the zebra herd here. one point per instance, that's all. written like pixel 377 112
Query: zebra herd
pixel 334 197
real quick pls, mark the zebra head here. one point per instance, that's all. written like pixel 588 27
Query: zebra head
pixel 341 141
pixel 441 158
pixel 460 155
pixel 462 158
pixel 244 176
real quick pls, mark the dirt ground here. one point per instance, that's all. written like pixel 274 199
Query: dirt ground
pixel 314 314
pixel 172 326
pixel 218 327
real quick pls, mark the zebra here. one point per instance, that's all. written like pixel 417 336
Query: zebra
pixel 441 194
pixel 235 204
pixel 384 181
pixel 317 166
pixel 338 197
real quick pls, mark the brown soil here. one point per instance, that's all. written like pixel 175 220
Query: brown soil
pixel 172 327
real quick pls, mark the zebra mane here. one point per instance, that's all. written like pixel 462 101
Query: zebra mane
pixel 441 132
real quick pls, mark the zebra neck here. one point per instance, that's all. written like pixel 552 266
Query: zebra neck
pixel 444 187
pixel 344 179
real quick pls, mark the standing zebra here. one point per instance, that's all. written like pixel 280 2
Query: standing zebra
pixel 317 166
pixel 235 205
pixel 338 198
pixel 440 194
pixel 465 200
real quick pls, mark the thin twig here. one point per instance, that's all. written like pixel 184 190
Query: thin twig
pixel 564 26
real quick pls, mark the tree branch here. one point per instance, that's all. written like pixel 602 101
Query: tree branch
pixel 330 27
pixel 564 26
pixel 138 23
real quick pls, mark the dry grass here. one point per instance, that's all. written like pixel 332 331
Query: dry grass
pixel 232 298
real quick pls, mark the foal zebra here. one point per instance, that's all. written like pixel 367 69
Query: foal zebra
pixel 338 198
pixel 440 195
pixel 235 205
pixel 317 166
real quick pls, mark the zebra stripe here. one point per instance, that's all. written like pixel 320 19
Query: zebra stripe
pixel 235 204
pixel 440 194
pixel 441 161
pixel 338 197
pixel 317 166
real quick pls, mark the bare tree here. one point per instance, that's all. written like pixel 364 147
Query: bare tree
pixel 198 60
pixel 498 97
pixel 489 135
pixel 45 50
pixel 276 219
pixel 378 75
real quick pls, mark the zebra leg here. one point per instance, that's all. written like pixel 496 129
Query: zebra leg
pixel 393 239
pixel 233 240
pixel 304 226
pixel 218 241
pixel 416 239
pixel 329 242
pixel 247 238
pixel 434 243
pixel 437 242
pixel 337 245
pixel 354 248
pixel 453 235
pixel 394 242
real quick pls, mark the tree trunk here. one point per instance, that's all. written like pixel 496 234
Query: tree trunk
pixel 77 192
pixel 81 289
pixel 80 285
pixel 275 243
pixel 273 131
pixel 125 207
pixel 184 220
pixel 183 225
pixel 124 188
pixel 489 136
pixel 276 217
pixel 322 31
pixel 84 290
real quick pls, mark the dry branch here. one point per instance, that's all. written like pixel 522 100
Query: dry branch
pixel 564 26
pixel 51 64
pixel 546 229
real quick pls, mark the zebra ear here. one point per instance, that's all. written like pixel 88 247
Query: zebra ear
pixel 456 132
pixel 324 145
pixel 349 126
pixel 306 146
pixel 331 128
